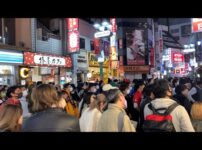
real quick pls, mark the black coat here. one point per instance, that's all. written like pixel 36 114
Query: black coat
pixel 51 120
pixel 131 111
pixel 144 102
pixel 182 100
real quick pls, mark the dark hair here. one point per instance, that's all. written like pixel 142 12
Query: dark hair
pixel 174 81
pixel 39 83
pixel 170 79
pixel 61 93
pixel 180 88
pixel 148 90
pixel 86 100
pixel 11 90
pixel 66 85
pixel 100 82
pixel 161 86
pixel 138 84
pixel 109 80
pixel 123 86
pixel 198 82
pixel 113 95
pixel 92 84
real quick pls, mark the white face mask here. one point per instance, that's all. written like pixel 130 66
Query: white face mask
pixel 97 87
pixel 70 89
pixel 128 91
pixel 94 90
pixel 25 93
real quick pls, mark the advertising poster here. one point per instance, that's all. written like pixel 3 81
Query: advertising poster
pixel 135 47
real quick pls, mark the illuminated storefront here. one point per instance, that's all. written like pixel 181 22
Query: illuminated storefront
pixel 9 61
pixel 94 68
pixel 47 68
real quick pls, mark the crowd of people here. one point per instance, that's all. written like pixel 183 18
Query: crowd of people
pixel 153 105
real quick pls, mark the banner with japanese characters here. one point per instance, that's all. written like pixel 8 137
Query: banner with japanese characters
pixel 39 59
pixel 73 35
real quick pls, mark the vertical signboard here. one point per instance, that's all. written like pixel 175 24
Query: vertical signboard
pixel 113 23
pixel 196 25
pixel 152 57
pixel 73 35
pixel 97 46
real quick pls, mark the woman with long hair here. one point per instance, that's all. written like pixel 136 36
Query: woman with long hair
pixel 11 118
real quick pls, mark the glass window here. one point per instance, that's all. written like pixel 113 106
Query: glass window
pixel 174 30
pixel 185 30
pixel 82 43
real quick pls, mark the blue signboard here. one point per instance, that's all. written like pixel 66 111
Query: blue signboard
pixel 11 57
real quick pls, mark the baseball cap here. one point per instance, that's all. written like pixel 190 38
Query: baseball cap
pixel 108 87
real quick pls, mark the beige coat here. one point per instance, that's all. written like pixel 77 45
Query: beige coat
pixel 109 120
pixel 180 117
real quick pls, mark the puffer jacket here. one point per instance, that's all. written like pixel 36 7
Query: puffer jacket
pixel 109 120
pixel 180 117
pixel 51 120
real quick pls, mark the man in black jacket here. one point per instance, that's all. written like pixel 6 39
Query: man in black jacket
pixel 181 97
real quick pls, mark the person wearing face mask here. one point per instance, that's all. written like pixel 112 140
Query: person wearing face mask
pixel 163 100
pixel 115 119
pixel 125 89
pixel 13 95
pixel 74 93
pixel 92 88
pixel 182 97
pixel 72 105
pixel 91 115
pixel 24 103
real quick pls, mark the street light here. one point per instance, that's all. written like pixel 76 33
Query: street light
pixel 103 27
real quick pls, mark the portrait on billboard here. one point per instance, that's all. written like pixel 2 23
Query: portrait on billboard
pixel 135 47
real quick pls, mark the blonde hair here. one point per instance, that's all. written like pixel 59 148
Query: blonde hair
pixel 9 117
pixel 43 97
pixel 196 111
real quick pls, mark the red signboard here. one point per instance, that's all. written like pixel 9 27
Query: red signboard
pixel 177 57
pixel 152 57
pixel 73 23
pixel 197 25
pixel 113 23
pixel 97 46
pixel 73 41
pixel 38 59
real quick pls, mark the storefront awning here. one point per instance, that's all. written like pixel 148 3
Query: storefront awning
pixel 170 42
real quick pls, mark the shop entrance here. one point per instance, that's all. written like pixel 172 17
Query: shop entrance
pixel 7 80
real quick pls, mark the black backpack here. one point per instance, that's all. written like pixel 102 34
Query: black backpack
pixel 159 122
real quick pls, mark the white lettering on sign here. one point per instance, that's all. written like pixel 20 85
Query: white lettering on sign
pixel 102 34
pixel 49 60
